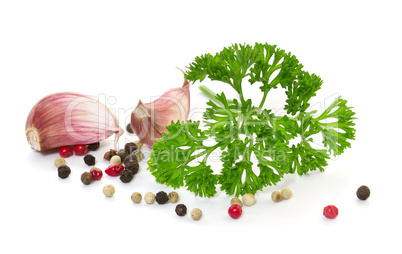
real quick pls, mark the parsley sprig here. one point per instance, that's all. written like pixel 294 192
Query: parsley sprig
pixel 256 147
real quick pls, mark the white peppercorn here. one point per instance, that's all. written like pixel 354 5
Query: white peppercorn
pixel 136 197
pixel 59 162
pixel 196 214
pixel 115 160
pixel 149 198
pixel 236 201
pixel 286 193
pixel 108 190
pixel 276 196
pixel 248 199
pixel 173 197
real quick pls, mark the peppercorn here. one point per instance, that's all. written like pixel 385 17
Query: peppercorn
pixel 139 144
pixel 181 209
pixel 126 176
pixel 129 129
pixel 64 171
pixel 130 157
pixel 173 197
pixel 115 160
pixel 94 146
pixel 136 197
pixel 161 197
pixel 122 153
pixel 109 154
pixel 132 166
pixel 59 162
pixel 130 147
pixel 138 154
pixel 149 198
pixel 248 199
pixel 89 160
pixel 286 193
pixel 236 201
pixel 108 190
pixel 276 196
pixel 87 178
pixel 363 192
pixel 196 214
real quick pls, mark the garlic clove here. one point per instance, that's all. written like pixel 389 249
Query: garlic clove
pixel 149 120
pixel 68 118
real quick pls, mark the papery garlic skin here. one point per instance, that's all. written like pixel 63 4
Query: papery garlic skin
pixel 68 118
pixel 149 120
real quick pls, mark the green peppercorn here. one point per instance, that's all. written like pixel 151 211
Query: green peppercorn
pixel 181 209
pixel 64 171
pixel 161 197
pixel 94 146
pixel 363 192
pixel 129 129
pixel 138 154
pixel 87 178
pixel 126 176
pixel 132 166
pixel 130 147
pixel 89 160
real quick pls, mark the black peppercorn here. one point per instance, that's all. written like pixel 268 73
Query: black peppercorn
pixel 129 129
pixel 181 209
pixel 87 178
pixel 122 153
pixel 129 157
pixel 94 146
pixel 126 176
pixel 109 154
pixel 161 197
pixel 89 160
pixel 132 166
pixel 63 171
pixel 130 147
pixel 363 192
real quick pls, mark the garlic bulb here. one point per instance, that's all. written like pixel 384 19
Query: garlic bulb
pixel 67 118
pixel 149 120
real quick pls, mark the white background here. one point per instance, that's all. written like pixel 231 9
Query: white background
pixel 126 51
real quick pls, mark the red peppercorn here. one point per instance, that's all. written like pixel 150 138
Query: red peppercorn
pixel 114 170
pixel 65 151
pixel 96 173
pixel 330 211
pixel 235 211
pixel 81 149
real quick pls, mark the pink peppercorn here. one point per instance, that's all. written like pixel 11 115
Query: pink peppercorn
pixel 330 212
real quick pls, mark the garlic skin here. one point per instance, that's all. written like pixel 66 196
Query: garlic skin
pixel 67 118
pixel 149 120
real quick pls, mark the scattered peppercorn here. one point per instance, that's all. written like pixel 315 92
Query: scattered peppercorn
pixel 80 149
pixel 126 176
pixel 109 154
pixel 235 211
pixel 149 198
pixel 64 171
pixel 130 157
pixel 108 190
pixel 89 160
pixel 59 162
pixel 94 146
pixel 115 160
pixel 139 144
pixel 65 151
pixel 330 211
pixel 161 197
pixel 96 173
pixel 132 166
pixel 173 197
pixel 136 197
pixel 248 199
pixel 130 147
pixel 181 209
pixel 122 153
pixel 87 178
pixel 276 196
pixel 138 155
pixel 196 214
pixel 114 170
pixel 129 129
pixel 363 192
pixel 286 193
pixel 236 201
